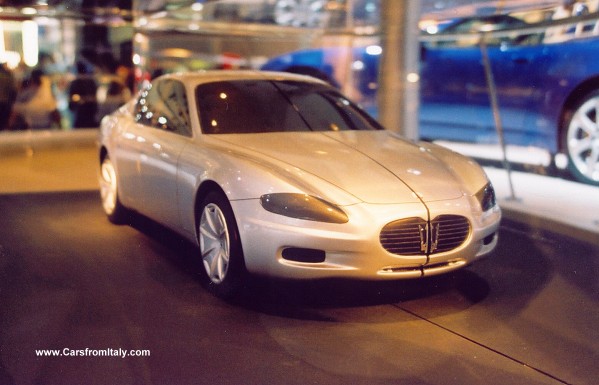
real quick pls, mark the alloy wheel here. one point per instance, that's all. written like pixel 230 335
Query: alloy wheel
pixel 214 243
pixel 108 187
pixel 583 140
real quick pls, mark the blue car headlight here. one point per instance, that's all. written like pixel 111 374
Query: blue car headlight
pixel 486 197
pixel 303 206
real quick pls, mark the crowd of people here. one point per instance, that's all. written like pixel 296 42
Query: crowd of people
pixel 39 99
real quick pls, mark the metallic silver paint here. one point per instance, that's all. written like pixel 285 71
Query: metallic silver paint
pixel 375 177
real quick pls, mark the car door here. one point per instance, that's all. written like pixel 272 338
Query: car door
pixel 454 99
pixel 520 71
pixel 455 93
pixel 167 130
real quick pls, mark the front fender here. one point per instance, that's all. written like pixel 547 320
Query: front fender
pixel 243 175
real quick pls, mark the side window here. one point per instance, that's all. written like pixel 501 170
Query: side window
pixel 163 105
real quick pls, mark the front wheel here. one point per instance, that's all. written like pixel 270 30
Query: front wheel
pixel 111 204
pixel 220 246
pixel 581 139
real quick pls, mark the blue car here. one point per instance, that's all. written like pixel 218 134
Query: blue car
pixel 548 89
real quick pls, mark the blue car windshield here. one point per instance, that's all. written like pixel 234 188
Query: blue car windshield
pixel 256 106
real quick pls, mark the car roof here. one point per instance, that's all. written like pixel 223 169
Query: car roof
pixel 197 77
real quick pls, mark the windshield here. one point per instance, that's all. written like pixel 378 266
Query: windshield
pixel 255 106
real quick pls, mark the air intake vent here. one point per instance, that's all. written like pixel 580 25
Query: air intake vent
pixel 404 236
pixel 415 236
pixel 452 231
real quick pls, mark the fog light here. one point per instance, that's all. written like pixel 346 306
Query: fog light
pixel 488 239
pixel 298 254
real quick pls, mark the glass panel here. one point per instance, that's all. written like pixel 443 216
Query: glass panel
pixel 164 106
pixel 325 109
pixel 172 107
pixel 245 107
pixel 253 106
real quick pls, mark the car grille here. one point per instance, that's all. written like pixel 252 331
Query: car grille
pixel 415 236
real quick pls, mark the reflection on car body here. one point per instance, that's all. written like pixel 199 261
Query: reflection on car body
pixel 281 175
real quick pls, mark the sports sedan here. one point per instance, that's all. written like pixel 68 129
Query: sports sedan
pixel 280 175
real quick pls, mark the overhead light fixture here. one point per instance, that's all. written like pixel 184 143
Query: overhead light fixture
pixel 30 43
pixel 29 11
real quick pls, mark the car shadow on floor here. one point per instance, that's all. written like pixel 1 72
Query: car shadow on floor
pixel 289 297
pixel 313 299
pixel 524 262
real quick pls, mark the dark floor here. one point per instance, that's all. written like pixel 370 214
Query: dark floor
pixel 69 280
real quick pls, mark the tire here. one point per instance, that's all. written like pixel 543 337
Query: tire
pixel 114 210
pixel 580 139
pixel 220 247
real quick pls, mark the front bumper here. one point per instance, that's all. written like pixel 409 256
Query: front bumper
pixel 353 250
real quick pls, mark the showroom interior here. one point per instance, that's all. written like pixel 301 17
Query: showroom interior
pixel 507 87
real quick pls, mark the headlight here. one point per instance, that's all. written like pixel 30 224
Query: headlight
pixel 302 206
pixel 486 197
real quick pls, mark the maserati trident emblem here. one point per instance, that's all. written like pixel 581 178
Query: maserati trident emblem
pixel 423 230
pixel 429 237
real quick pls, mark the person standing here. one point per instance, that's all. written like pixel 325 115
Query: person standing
pixel 83 102
pixel 36 105
pixel 8 95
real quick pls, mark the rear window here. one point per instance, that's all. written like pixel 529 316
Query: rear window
pixel 256 106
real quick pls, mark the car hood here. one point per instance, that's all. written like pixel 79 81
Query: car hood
pixel 374 166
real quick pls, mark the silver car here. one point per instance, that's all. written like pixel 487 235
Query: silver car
pixel 280 175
